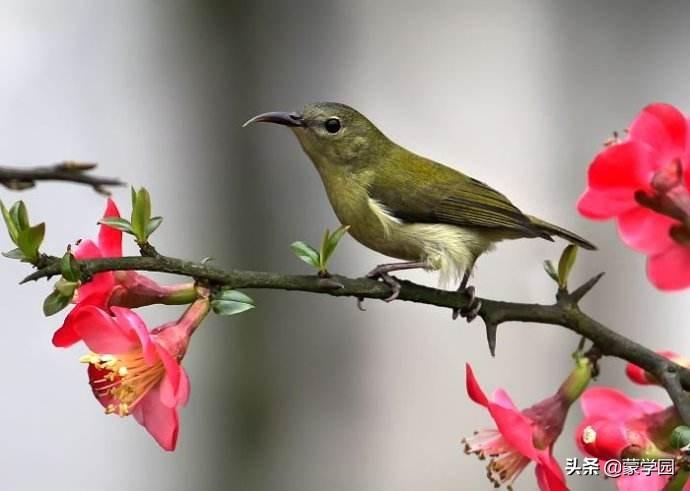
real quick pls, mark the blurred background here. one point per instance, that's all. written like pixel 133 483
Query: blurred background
pixel 306 392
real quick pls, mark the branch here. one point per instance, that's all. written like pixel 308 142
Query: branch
pixel 564 312
pixel 20 178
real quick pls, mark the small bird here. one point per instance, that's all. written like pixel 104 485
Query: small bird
pixel 403 205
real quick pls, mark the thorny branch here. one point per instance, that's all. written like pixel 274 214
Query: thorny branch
pixel 20 178
pixel 563 312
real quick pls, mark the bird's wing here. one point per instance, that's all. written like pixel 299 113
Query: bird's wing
pixel 428 192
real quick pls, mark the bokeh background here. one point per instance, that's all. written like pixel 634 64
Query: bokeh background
pixel 306 392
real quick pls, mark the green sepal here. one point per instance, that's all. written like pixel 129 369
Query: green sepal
pixel 69 267
pixel 117 223
pixel 15 254
pixel 565 264
pixel 306 253
pixel 231 302
pixel 54 303
pixel 680 437
pixel 30 239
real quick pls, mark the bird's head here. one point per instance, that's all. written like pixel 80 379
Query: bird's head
pixel 332 134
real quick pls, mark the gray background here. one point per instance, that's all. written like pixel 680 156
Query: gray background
pixel 307 393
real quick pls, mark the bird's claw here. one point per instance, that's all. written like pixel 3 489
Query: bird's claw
pixel 474 305
pixel 381 273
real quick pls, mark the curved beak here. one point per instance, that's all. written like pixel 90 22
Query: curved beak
pixel 286 119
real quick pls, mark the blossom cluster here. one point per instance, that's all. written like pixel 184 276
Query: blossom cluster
pixel 132 370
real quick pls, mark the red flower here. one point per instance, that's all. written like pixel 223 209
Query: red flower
pixel 658 142
pixel 115 288
pixel 520 437
pixel 616 426
pixel 642 377
pixel 134 371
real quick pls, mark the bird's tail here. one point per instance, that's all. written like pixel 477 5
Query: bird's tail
pixel 551 229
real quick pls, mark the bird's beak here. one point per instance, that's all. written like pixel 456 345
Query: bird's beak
pixel 286 119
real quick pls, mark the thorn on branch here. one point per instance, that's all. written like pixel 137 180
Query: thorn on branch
pixel 491 330
pixel 584 289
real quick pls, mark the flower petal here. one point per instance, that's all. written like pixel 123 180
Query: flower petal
pixel 184 389
pixel 663 127
pixel 502 398
pixel 170 384
pixel 161 421
pixel 549 474
pixel 87 249
pixel 637 482
pixel 608 403
pixel 473 389
pixel 629 165
pixel 100 332
pixel 645 230
pixel 136 324
pixel 670 270
pixel 602 205
pixel 516 428
pixel 67 335
pixel 110 239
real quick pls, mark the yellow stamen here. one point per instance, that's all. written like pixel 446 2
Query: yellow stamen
pixel 589 435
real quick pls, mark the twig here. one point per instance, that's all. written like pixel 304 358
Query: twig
pixel 19 178
pixel 564 312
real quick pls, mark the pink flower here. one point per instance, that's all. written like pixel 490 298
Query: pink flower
pixel 115 288
pixel 520 437
pixel 642 377
pixel 616 426
pixel 658 143
pixel 134 371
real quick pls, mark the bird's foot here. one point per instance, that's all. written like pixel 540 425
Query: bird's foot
pixel 471 311
pixel 382 273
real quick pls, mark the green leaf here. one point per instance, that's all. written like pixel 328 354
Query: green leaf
pixel 54 303
pixel 69 267
pixel 30 239
pixel 322 256
pixel 20 215
pixel 153 225
pixel 141 214
pixel 15 254
pixel 306 253
pixel 551 270
pixel 680 437
pixel 565 264
pixel 117 223
pixel 9 221
pixel 231 302
pixel 331 242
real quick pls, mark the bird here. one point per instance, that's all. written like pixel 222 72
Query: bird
pixel 425 214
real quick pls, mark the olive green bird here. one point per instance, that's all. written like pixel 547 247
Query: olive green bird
pixel 403 205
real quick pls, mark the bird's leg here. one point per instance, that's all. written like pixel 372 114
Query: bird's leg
pixel 472 310
pixel 382 272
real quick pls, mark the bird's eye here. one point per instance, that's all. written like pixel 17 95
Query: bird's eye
pixel 332 125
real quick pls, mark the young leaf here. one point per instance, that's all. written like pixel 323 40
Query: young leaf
pixel 551 270
pixel 680 437
pixel 231 302
pixel 117 223
pixel 306 253
pixel 141 214
pixel 69 267
pixel 153 225
pixel 20 215
pixel 30 239
pixel 9 221
pixel 14 254
pixel 331 243
pixel 565 264
pixel 54 303
pixel 322 257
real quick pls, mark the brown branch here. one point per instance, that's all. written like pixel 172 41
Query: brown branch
pixel 20 178
pixel 564 312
